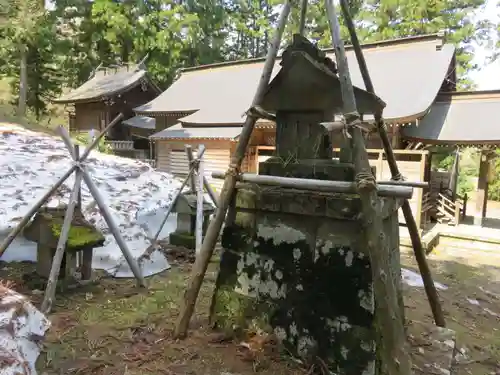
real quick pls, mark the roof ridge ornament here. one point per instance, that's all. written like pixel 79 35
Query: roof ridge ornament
pixel 442 39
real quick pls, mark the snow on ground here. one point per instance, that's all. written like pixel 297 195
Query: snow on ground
pixel 22 327
pixel 137 197
pixel 411 278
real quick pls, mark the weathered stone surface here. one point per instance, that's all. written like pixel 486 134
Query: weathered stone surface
pixel 22 327
pixel 302 271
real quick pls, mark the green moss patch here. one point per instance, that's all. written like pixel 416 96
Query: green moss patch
pixel 79 236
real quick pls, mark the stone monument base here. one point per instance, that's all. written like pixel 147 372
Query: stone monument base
pixel 295 263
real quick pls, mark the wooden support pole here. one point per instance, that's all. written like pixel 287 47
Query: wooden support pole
pixel 113 227
pixel 303 17
pixel 189 153
pixel 394 354
pixel 26 218
pixel 50 290
pixel 416 241
pixel 319 185
pixel 97 139
pixel 207 249
pixel 199 203
pixel 79 206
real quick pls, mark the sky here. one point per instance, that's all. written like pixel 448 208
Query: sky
pixel 488 77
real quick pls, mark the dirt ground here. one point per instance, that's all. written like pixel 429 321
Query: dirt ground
pixel 111 329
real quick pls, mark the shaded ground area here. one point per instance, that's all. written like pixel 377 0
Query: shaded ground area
pixel 110 329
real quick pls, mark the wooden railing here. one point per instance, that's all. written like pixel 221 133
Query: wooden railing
pixel 451 211
pixel 151 162
pixel 121 145
pixel 444 208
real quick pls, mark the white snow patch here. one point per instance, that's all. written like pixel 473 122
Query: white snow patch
pixel 22 326
pixel 136 194
pixel 414 279
pixel 473 301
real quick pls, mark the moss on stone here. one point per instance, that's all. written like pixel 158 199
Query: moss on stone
pixel 183 239
pixel 78 236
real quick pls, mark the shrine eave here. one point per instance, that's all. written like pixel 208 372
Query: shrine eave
pixel 108 83
pixel 459 118
pixel 407 76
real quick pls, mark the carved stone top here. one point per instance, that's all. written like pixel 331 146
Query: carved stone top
pixel 308 81
pixel 186 204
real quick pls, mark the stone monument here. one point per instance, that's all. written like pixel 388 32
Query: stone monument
pixel 295 261
pixel 185 207
pixel 45 229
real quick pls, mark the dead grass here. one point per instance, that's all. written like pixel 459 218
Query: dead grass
pixel 47 124
pixel 111 329
pixel 477 329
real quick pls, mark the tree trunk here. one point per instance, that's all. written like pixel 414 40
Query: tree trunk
pixel 23 81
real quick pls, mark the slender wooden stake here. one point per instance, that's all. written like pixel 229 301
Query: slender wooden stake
pixel 430 288
pixel 50 290
pixel 79 208
pixel 189 153
pixel 25 220
pixel 207 249
pixel 207 186
pixel 199 203
pixel 171 207
pixel 113 227
pixel 394 353
pixel 90 147
pixel 303 17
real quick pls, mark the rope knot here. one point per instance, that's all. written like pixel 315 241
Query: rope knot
pixel 365 181
pixel 351 120
pixel 399 177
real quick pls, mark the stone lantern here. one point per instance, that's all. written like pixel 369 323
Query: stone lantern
pixel 297 261
pixel 45 229
pixel 185 207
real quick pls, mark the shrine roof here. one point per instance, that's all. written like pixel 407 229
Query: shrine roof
pixel 407 75
pixel 108 82
pixel 464 118
pixel 141 122
pixel 180 131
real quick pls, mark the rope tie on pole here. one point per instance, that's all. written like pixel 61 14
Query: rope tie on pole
pixel 351 120
pixel 398 177
pixel 365 181
pixel 257 112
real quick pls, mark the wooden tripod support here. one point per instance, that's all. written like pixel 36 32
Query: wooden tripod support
pixel 388 312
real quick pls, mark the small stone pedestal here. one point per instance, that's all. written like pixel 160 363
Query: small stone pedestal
pixel 185 207
pixel 296 263
pixel 83 237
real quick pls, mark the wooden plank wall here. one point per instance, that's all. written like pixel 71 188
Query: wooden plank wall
pixel 171 157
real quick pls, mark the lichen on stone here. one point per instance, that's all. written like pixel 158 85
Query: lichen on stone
pixel 78 236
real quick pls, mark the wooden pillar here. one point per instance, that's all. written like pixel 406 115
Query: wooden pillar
pixel 482 188
pixel 420 193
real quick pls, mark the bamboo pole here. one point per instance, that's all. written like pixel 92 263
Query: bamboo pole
pixel 384 188
pixel 50 290
pixel 113 227
pixel 26 218
pixel 207 186
pixel 394 353
pixel 319 185
pixel 430 288
pixel 199 203
pixel 79 206
pixel 207 249
pixel 303 17
pixel 95 142
pixel 189 153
